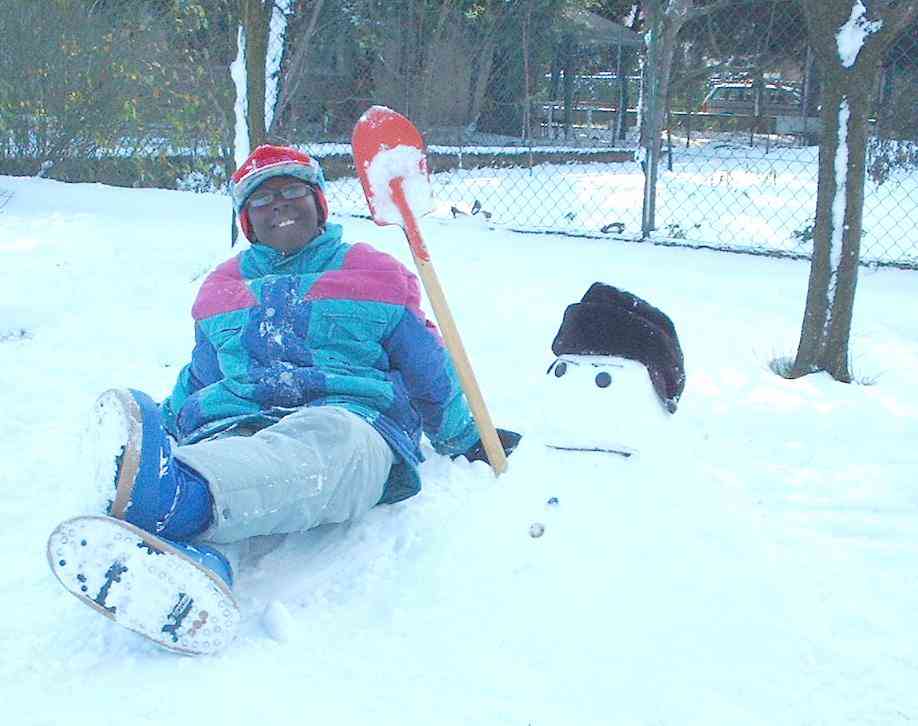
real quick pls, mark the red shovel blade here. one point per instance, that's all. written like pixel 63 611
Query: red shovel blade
pixel 390 156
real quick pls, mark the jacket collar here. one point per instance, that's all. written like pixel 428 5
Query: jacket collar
pixel 263 260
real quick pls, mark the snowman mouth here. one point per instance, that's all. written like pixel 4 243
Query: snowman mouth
pixel 623 451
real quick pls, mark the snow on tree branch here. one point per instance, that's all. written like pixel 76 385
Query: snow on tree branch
pixel 241 141
pixel 839 202
pixel 276 38
pixel 852 34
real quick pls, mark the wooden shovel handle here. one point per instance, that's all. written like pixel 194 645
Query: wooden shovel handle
pixel 450 333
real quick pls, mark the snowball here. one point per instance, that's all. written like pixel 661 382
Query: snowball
pixel 278 622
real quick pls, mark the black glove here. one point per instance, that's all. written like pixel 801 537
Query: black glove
pixel 508 440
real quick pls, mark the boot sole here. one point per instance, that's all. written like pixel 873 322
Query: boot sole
pixel 144 584
pixel 116 410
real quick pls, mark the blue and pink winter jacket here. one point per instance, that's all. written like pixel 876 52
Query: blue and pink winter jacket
pixel 334 324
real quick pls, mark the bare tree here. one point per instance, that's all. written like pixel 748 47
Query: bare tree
pixel 491 21
pixel 429 40
pixel 296 66
pixel 275 64
pixel 664 19
pixel 849 39
pixel 527 80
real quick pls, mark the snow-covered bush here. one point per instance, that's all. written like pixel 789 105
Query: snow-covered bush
pixel 209 179
pixel 887 156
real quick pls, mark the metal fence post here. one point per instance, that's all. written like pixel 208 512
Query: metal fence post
pixel 648 213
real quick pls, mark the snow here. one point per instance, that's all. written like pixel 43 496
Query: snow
pixel 102 439
pixel 628 20
pixel 400 162
pixel 839 203
pixel 274 54
pixel 241 141
pixel 757 568
pixel 571 384
pixel 851 36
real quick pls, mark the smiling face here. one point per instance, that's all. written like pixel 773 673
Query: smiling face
pixel 284 224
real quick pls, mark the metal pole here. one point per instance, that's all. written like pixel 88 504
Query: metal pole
pixel 669 141
pixel 648 212
pixel 620 120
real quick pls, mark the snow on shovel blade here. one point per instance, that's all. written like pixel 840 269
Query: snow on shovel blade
pixel 388 148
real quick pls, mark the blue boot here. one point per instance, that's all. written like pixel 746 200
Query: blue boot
pixel 153 490
pixel 208 557
pixel 177 595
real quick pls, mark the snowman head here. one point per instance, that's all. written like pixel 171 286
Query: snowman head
pixel 618 374
pixel 602 404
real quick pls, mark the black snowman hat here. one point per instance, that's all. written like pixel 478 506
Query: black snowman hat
pixel 609 321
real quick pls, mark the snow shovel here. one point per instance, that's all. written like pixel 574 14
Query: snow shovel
pixel 391 163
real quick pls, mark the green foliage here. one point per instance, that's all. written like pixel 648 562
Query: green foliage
pixel 198 93
pixel 113 85
pixel 71 79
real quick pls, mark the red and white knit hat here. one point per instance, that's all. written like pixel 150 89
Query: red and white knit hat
pixel 269 161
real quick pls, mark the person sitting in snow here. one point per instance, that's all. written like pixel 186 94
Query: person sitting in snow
pixel 313 374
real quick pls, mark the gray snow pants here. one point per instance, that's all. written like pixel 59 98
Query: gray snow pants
pixel 315 466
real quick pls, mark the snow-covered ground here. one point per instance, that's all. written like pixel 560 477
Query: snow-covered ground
pixel 757 566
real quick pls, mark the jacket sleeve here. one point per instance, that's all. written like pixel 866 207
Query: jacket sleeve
pixel 202 371
pixel 418 354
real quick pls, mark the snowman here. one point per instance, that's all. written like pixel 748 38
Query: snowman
pixel 617 377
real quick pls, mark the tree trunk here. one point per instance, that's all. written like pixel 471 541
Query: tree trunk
pixel 812 85
pixel 567 65
pixel 555 73
pixel 884 102
pixel 480 79
pixel 847 80
pixel 255 17
pixel 664 24
pixel 663 19
pixel 629 59
pixel 429 43
pixel 837 232
pixel 486 42
pixel 527 103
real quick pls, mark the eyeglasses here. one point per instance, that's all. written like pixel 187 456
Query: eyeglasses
pixel 291 191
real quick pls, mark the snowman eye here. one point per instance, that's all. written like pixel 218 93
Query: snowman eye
pixel 603 379
pixel 560 369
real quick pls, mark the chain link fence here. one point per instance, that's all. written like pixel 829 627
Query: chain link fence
pixel 532 121
pixel 742 142
pixel 522 113
pixel 530 112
